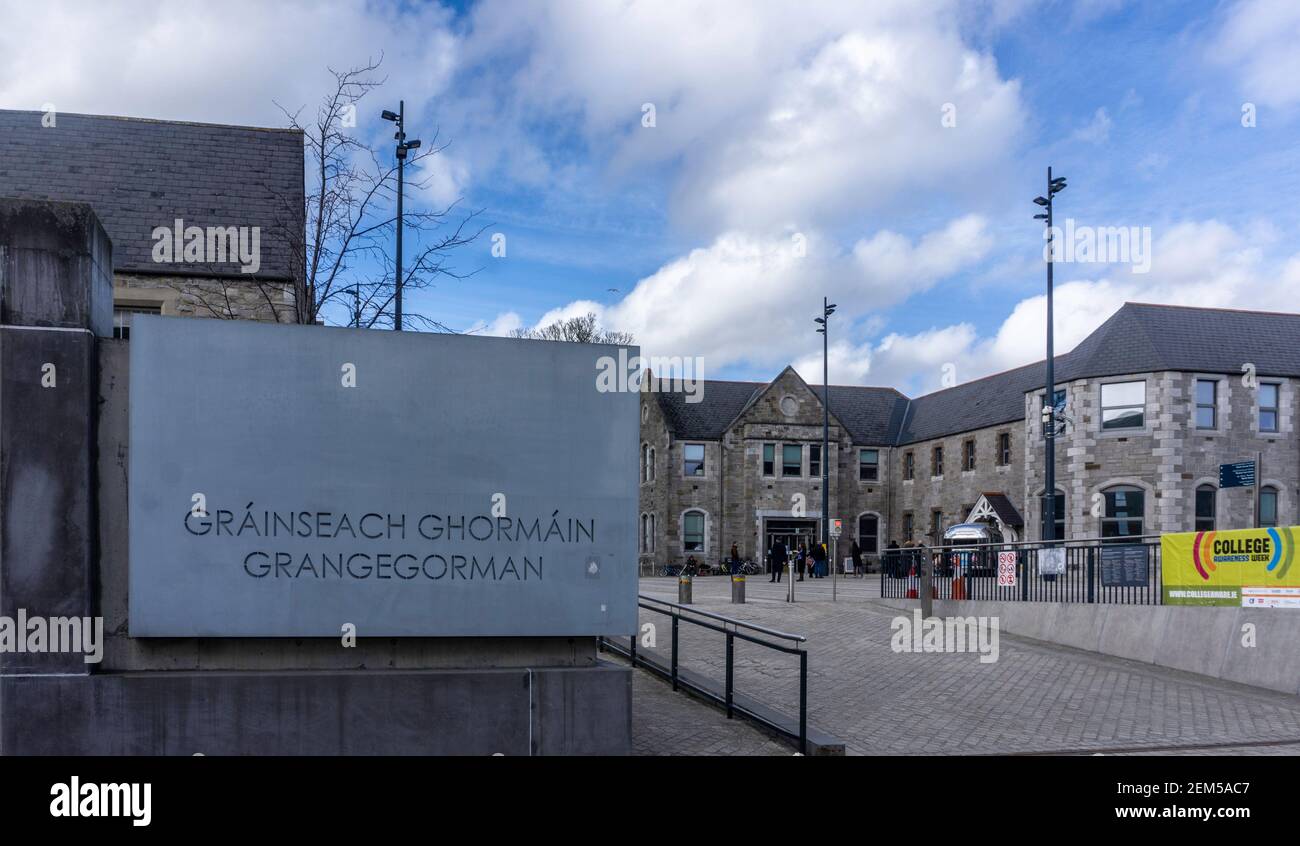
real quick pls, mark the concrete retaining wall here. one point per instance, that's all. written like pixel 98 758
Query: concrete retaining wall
pixel 554 711
pixel 1208 641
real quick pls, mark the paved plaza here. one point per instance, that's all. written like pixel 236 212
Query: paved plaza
pixel 1036 698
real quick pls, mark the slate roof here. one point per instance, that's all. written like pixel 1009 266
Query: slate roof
pixel 707 419
pixel 138 174
pixel 1002 506
pixel 1138 338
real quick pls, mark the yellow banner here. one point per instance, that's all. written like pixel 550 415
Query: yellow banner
pixel 1247 567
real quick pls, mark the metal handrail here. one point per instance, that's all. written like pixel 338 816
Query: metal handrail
pixel 732 620
pixel 677 613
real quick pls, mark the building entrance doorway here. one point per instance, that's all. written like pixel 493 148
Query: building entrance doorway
pixel 792 532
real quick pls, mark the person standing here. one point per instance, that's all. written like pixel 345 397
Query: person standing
pixel 801 561
pixel 778 556
pixel 891 558
pixel 819 561
pixel 855 552
pixel 735 559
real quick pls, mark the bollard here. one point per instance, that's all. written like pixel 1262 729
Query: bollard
pixel 927 589
pixel 684 590
pixel 737 590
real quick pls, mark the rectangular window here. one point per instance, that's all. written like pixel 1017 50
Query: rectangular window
pixel 1123 405
pixel 122 318
pixel 909 465
pixel 1206 408
pixel 693 465
pixel 769 459
pixel 815 460
pixel 936 527
pixel 968 455
pixel 1205 509
pixel 907 526
pixel 693 531
pixel 936 461
pixel 1268 396
pixel 868 465
pixel 791 460
pixel 1004 448
pixel 1123 513
pixel 1267 507
pixel 1058 411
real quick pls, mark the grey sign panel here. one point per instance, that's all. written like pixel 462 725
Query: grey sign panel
pixel 1124 565
pixel 294 480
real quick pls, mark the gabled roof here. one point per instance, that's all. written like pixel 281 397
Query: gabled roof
pixel 871 415
pixel 140 174
pixel 1002 507
pixel 976 404
pixel 1138 338
pixel 707 419
pixel 1142 337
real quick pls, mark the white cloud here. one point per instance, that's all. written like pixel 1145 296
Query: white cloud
pixel 226 62
pixel 1258 39
pixel 1194 263
pixel 1097 130
pixel 769 115
pixel 894 263
pixel 500 327
pixel 752 299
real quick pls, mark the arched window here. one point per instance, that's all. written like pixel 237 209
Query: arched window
pixel 693 531
pixel 1058 518
pixel 1268 506
pixel 869 534
pixel 1205 495
pixel 652 464
pixel 1124 510
pixel 645 463
pixel 645 532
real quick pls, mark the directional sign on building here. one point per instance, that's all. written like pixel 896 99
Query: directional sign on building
pixel 1239 475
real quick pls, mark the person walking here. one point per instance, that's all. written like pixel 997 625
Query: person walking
pixel 778 555
pixel 801 561
pixel 735 559
pixel 855 552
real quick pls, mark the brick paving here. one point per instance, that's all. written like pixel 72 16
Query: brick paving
pixel 668 723
pixel 1036 698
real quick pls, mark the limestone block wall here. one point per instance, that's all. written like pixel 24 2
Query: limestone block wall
pixel 958 489
pixel 189 296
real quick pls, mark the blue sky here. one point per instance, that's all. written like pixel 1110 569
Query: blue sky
pixel 798 150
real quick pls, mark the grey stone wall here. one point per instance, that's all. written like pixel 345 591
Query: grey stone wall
pixel 958 489
pixel 193 296
pixel 1167 458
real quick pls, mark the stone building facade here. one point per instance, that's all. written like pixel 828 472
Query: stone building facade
pixel 1149 406
pixel 144 176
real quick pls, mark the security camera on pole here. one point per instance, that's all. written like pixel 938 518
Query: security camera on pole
pixel 1054 187
pixel 402 147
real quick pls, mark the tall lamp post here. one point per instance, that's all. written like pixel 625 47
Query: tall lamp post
pixel 402 147
pixel 828 308
pixel 1054 186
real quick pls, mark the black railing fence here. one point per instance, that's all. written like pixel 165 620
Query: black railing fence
pixel 731 630
pixel 1122 571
